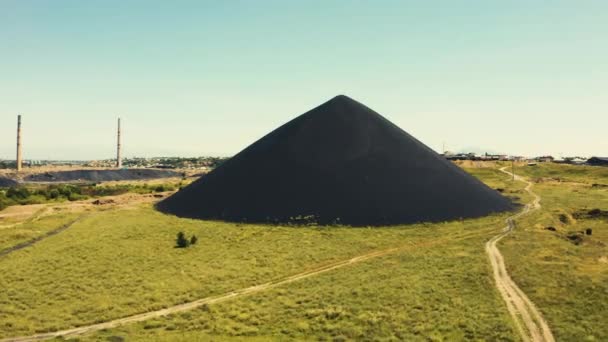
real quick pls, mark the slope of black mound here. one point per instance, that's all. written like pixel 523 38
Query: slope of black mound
pixel 100 175
pixel 338 163
pixel 7 182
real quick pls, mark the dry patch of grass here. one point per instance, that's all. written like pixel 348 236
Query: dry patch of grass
pixel 14 215
pixel 30 229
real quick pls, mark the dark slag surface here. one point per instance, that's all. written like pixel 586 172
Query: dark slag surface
pixel 7 182
pixel 338 163
pixel 100 175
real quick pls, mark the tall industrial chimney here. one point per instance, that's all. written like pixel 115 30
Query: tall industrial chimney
pixel 19 155
pixel 118 151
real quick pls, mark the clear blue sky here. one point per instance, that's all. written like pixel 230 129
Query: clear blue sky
pixel 210 77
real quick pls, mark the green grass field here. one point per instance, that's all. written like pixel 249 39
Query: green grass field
pixel 437 286
pixel 31 229
pixel 567 281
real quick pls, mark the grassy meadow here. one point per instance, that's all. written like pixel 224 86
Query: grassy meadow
pixel 437 286
pixel 117 263
pixel 438 291
pixel 563 271
pixel 32 228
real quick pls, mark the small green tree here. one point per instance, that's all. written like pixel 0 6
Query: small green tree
pixel 54 194
pixel 193 240
pixel 182 241
pixel 18 193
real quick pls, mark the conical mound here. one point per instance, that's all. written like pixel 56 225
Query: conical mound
pixel 338 163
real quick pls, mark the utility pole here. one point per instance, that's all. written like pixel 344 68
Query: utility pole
pixel 118 147
pixel 19 154
pixel 513 168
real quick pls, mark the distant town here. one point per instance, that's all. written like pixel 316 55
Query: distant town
pixel 195 163
pixel 208 163
pixel 577 160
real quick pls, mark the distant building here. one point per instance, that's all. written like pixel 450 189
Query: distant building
pixel 495 157
pixel 485 156
pixel 544 159
pixel 571 160
pixel 461 156
pixel 598 161
pixel 577 160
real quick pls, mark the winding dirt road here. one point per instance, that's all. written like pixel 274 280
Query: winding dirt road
pixel 528 320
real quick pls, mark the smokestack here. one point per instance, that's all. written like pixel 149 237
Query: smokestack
pixel 19 156
pixel 118 151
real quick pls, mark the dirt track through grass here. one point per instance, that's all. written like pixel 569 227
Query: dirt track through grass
pixel 29 243
pixel 244 290
pixel 37 211
pixel 529 321
pixel 201 302
pixel 233 294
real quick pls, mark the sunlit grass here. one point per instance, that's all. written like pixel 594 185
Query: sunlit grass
pixel 437 287
pixel 122 262
pixel 568 282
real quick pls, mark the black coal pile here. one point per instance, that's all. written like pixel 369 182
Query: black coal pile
pixel 338 163
pixel 7 182
pixel 100 175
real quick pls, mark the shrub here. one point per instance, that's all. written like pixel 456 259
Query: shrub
pixel 182 241
pixel 18 193
pixel 53 194
pixel 193 240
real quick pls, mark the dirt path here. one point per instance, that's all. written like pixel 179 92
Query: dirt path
pixel 22 214
pixel 525 314
pixel 529 321
pixel 237 293
pixel 29 243
pixel 200 302
pixel 34 212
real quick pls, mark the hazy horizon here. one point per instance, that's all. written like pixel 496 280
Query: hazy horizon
pixel 196 78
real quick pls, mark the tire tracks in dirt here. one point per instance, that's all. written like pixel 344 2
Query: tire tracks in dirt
pixel 37 239
pixel 529 321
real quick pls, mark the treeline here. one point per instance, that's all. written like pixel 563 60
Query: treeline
pixel 8 164
pixel 23 195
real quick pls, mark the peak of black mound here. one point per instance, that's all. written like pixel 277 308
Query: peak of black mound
pixel 340 162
